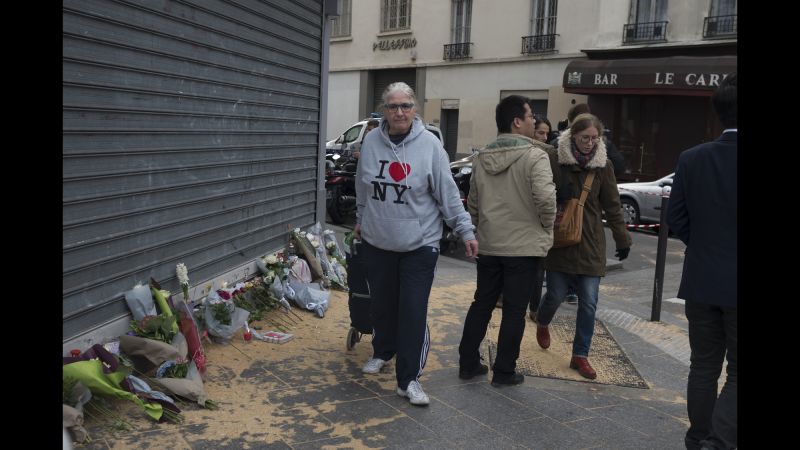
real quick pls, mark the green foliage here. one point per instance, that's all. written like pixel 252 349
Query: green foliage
pixel 177 371
pixel 221 312
pixel 160 327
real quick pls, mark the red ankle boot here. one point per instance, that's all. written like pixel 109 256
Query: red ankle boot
pixel 583 366
pixel 542 336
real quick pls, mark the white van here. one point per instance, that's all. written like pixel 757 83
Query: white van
pixel 351 139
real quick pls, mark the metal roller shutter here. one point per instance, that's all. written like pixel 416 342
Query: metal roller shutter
pixel 190 134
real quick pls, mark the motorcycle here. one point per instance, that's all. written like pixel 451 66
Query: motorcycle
pixel 462 172
pixel 340 186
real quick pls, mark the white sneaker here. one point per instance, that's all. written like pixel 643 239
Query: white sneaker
pixel 374 365
pixel 414 393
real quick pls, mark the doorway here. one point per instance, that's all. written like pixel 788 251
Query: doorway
pixel 639 135
pixel 449 125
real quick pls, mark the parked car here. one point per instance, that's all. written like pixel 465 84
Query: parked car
pixel 641 202
pixel 351 139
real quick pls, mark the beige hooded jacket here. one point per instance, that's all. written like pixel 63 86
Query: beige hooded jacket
pixel 512 198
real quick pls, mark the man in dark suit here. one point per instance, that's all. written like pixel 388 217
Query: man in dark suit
pixel 702 213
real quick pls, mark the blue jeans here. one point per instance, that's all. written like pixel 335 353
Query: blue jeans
pixel 587 288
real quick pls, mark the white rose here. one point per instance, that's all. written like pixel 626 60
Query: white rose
pixel 271 259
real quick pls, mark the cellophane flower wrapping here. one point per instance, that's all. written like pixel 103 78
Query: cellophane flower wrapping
pixel 306 294
pixel 215 327
pixel 140 302
pixel 307 250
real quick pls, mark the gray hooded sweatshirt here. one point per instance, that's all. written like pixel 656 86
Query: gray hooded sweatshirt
pixel 404 191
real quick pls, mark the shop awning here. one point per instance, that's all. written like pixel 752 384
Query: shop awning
pixel 675 75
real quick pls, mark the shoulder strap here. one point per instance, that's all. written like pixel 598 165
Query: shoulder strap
pixel 587 186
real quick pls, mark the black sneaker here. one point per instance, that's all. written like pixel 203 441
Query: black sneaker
pixel 482 369
pixel 571 299
pixel 506 380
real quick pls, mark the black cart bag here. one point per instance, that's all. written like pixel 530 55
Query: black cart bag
pixel 358 299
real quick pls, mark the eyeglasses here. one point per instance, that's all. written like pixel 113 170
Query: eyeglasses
pixel 406 107
pixel 584 139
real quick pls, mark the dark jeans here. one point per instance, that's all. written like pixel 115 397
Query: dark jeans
pixel 536 298
pixel 400 284
pixel 538 280
pixel 511 276
pixel 712 336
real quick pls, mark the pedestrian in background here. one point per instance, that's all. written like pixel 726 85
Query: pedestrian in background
pixel 404 189
pixel 702 212
pixel 371 125
pixel 580 151
pixel 541 133
pixel 513 205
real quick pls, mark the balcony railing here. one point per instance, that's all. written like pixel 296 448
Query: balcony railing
pixel 719 26
pixel 457 51
pixel 538 44
pixel 644 32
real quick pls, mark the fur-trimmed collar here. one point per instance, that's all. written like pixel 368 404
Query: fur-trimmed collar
pixel 566 157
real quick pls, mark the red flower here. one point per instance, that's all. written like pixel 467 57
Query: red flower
pixel 224 294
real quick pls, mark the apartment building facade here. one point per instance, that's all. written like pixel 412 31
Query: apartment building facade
pixel 646 67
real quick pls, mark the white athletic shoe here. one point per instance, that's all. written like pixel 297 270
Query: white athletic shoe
pixel 374 365
pixel 414 393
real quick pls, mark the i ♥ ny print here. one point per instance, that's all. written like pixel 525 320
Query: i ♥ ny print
pixel 399 171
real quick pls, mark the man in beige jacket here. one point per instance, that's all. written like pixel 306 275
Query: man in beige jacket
pixel 512 203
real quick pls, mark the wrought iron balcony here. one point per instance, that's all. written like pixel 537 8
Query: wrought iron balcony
pixel 457 51
pixel 538 44
pixel 644 32
pixel 719 26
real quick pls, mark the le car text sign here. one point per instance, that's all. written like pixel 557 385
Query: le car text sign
pixel 654 73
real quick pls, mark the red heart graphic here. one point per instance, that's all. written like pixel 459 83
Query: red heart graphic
pixel 396 170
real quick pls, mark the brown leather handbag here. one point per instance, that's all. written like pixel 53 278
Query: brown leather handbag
pixel 569 218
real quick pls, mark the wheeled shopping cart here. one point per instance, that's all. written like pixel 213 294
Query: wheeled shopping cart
pixel 358 299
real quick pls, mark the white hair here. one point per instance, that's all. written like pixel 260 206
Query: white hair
pixel 398 86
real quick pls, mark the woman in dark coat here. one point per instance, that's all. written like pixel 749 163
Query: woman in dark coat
pixel 581 150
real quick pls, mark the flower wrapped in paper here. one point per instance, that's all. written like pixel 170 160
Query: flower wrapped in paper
pixel 273 266
pixel 216 327
pixel 100 371
pixel 307 250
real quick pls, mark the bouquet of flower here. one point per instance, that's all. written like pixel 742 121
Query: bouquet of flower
pixel 332 246
pixel 221 316
pixel 272 266
pixel 183 279
pixel 307 250
pixel 160 297
pixel 158 327
pixel 223 308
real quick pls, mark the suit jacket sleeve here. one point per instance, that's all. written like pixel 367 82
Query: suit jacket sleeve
pixel 677 212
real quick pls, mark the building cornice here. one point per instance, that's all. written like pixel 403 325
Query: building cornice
pixel 696 48
pixel 516 59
